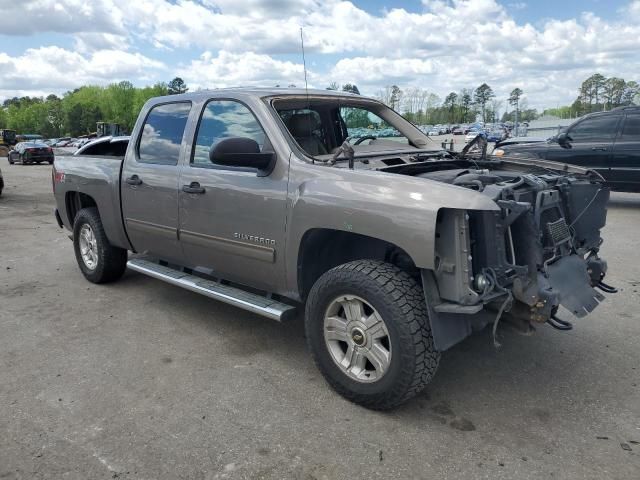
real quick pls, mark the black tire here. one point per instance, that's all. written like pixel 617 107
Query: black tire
pixel 400 302
pixel 111 261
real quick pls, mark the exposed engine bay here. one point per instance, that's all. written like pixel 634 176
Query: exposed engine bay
pixel 539 252
pixel 536 253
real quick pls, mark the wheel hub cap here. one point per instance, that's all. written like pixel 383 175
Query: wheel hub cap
pixel 357 338
pixel 88 247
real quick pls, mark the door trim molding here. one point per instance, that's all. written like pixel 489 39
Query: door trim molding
pixel 153 228
pixel 226 245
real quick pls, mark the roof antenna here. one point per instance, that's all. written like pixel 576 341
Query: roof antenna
pixel 304 65
pixel 306 87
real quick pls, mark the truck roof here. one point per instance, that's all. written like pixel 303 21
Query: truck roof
pixel 259 92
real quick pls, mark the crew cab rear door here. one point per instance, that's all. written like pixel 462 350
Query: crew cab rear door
pixel 232 220
pixel 149 182
pixel 625 162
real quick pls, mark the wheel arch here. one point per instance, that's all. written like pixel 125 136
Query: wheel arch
pixel 322 249
pixel 76 201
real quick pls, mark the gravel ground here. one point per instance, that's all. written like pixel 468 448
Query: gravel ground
pixel 139 379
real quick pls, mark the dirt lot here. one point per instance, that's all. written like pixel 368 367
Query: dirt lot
pixel 139 379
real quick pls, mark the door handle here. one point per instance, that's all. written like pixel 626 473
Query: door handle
pixel 134 180
pixel 599 149
pixel 193 187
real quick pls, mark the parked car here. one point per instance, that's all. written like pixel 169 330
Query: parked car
pixel 471 134
pixel 607 142
pixel 458 131
pixel 396 251
pixel 62 142
pixel 31 152
pixel 496 135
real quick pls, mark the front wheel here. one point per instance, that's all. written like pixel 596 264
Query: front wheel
pixel 99 261
pixel 368 331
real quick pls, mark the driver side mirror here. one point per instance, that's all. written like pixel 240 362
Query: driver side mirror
pixel 564 140
pixel 241 152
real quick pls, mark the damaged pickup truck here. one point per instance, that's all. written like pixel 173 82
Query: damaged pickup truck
pixel 395 249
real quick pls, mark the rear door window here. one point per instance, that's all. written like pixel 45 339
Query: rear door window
pixel 631 128
pixel 162 133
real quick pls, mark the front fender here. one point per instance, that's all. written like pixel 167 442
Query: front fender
pixel 398 209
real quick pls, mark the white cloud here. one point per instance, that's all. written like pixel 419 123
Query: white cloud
pixel 56 69
pixel 227 69
pixel 27 17
pixel 448 45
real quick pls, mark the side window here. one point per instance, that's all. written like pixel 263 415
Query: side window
pixel 631 129
pixel 162 133
pixel 224 119
pixel 597 129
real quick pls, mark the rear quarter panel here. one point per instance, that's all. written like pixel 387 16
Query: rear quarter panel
pixel 99 178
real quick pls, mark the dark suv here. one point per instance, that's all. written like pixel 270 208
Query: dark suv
pixel 608 142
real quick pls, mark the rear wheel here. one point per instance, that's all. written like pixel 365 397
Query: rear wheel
pixel 369 334
pixel 99 261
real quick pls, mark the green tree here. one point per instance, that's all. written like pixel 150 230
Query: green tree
pixel 481 97
pixel 348 87
pixel 465 104
pixel 177 86
pixel 450 104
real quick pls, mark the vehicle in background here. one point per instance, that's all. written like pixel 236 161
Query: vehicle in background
pixel 433 133
pixel 62 142
pixel 395 249
pixel 471 134
pixel 106 129
pixel 7 140
pixel 80 142
pixel 105 146
pixel 496 135
pixel 31 152
pixel 29 137
pixel 606 142
pixel 458 131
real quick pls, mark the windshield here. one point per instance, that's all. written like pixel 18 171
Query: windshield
pixel 321 125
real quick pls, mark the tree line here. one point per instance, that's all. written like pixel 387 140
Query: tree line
pixel 598 93
pixel 466 106
pixel 77 112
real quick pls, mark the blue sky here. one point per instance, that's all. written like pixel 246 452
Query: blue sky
pixel 544 47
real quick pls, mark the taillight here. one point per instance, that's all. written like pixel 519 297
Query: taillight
pixel 56 177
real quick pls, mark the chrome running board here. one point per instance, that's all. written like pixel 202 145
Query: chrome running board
pixel 237 297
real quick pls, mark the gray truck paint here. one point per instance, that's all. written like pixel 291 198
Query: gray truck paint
pixel 399 210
